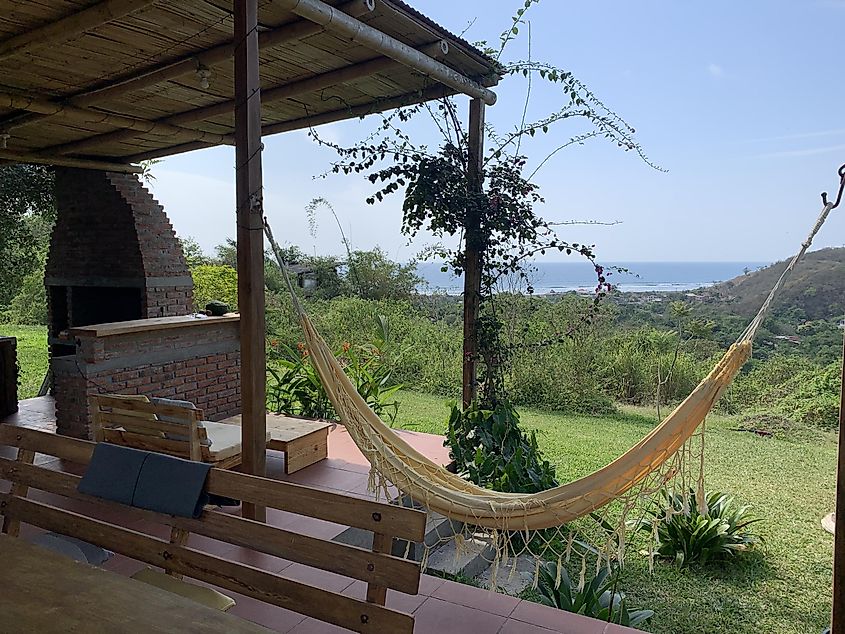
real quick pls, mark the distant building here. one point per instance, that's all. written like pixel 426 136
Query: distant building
pixel 306 277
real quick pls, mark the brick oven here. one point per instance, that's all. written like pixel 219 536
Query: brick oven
pixel 113 254
pixel 114 259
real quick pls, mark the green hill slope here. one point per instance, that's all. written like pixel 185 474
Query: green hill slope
pixel 816 288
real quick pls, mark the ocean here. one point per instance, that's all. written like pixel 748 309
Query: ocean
pixel 642 277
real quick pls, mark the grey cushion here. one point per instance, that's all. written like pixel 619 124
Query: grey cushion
pixel 172 485
pixel 147 480
pixel 113 472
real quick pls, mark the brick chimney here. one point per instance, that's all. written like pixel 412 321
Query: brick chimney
pixel 113 254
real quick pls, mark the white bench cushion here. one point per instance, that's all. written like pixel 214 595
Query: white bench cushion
pixel 225 439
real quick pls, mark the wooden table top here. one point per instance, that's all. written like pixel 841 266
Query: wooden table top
pixel 286 428
pixel 45 592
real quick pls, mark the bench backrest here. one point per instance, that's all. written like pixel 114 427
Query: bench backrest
pixel 134 421
pixel 376 567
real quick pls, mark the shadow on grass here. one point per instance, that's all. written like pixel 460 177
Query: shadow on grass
pixel 752 567
pixel 734 596
pixel 636 419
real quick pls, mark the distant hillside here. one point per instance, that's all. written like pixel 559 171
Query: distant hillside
pixel 816 287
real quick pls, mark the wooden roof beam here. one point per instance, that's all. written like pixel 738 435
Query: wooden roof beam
pixel 22 157
pixel 86 116
pixel 268 95
pixel 189 64
pixel 435 92
pixel 70 26
pixel 341 24
pixel 307 85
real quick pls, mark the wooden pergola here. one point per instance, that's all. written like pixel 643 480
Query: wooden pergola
pixel 106 84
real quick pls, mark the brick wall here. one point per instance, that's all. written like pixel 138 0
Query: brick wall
pixel 198 362
pixel 111 232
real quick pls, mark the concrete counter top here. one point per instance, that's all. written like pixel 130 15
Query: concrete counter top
pixel 148 325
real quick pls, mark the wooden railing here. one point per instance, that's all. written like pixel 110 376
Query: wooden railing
pixel 376 567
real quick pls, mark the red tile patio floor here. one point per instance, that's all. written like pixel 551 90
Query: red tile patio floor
pixel 441 607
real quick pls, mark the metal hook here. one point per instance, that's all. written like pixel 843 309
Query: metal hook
pixel 841 173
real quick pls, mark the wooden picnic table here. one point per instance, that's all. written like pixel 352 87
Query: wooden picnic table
pixel 44 592
pixel 304 440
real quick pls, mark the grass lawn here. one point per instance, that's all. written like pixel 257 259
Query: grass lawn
pixel 32 356
pixel 785 589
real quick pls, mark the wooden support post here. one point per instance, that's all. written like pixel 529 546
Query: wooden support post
pixel 250 218
pixel 179 537
pixel 838 620
pixel 375 593
pixel 13 526
pixel 8 376
pixel 473 252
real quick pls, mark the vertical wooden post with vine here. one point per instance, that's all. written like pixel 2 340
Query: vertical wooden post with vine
pixel 250 220
pixel 473 245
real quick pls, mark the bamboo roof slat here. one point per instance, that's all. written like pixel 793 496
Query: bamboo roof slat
pixel 137 71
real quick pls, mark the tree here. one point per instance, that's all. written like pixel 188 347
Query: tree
pixel 27 213
pixel 373 276
pixel 194 255
pixel 29 305
pixel 226 254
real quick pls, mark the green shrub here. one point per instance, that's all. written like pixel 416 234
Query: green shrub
pixel 812 397
pixel 789 387
pixel 423 354
pixel 490 449
pixel 563 377
pixel 29 306
pixel 687 536
pixel 293 386
pixel 631 363
pixel 597 599
pixel 215 282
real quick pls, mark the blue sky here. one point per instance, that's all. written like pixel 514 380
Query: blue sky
pixel 741 101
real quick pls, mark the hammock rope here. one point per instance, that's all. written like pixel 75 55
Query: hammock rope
pixel 641 471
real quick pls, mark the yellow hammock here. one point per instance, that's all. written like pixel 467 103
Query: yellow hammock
pixel 395 462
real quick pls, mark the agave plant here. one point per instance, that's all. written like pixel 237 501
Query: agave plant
pixel 597 598
pixel 688 536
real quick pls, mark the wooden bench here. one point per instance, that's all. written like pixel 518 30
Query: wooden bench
pixel 377 567
pixel 177 430
pixel 303 440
